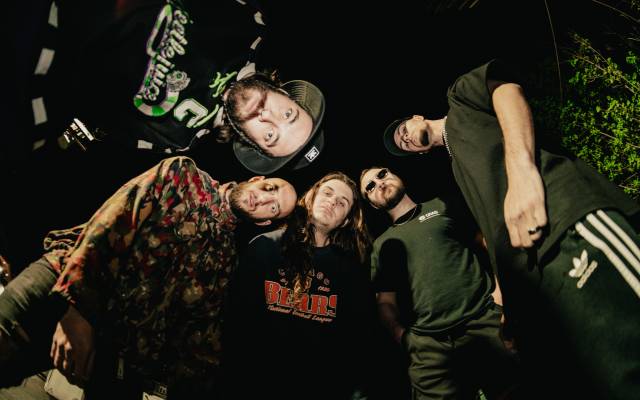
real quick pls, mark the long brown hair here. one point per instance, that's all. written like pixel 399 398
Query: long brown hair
pixel 298 240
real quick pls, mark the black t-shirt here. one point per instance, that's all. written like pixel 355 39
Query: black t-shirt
pixel 431 260
pixel 311 349
pixel 154 77
pixel 572 188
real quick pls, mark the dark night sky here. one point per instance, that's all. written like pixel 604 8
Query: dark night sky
pixel 374 61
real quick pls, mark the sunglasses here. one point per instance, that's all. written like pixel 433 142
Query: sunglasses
pixel 372 185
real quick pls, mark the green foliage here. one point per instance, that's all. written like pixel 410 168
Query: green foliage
pixel 599 118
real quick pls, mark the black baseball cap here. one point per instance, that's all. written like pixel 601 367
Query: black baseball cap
pixel 389 141
pixel 311 99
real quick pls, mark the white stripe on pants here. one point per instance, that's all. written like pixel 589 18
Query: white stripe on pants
pixel 625 247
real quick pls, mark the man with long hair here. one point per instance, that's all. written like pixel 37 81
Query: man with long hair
pixel 145 278
pixel 433 285
pixel 300 301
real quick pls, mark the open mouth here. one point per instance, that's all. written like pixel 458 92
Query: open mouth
pixel 423 138
pixel 252 105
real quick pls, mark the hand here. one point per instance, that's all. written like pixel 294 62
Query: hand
pixel 506 337
pixel 398 334
pixel 5 271
pixel 72 349
pixel 525 213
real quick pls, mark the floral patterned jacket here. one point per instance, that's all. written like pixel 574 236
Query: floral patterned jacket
pixel 150 268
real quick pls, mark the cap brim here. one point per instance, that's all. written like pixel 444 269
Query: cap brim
pixel 310 152
pixel 388 138
pixel 307 96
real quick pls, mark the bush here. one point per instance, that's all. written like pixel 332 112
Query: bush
pixel 599 117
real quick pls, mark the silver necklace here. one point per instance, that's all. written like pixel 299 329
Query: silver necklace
pixel 444 137
pixel 415 208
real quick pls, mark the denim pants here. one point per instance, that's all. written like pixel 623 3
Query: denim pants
pixel 28 317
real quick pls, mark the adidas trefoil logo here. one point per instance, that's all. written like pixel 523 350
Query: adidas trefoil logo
pixel 582 269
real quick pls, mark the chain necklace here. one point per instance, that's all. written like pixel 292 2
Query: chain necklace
pixel 444 137
pixel 415 208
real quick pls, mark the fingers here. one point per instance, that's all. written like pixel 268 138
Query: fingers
pixel 62 355
pixel 525 229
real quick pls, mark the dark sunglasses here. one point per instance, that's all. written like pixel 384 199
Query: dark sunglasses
pixel 372 185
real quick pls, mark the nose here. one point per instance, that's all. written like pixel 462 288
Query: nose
pixel 264 198
pixel 265 115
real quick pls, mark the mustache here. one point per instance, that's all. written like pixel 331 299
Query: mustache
pixel 393 198
pixel 239 94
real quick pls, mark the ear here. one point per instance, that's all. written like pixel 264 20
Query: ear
pixel 256 178
pixel 263 223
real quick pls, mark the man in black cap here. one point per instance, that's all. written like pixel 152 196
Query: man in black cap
pixel 560 235
pixel 164 82
pixel 272 124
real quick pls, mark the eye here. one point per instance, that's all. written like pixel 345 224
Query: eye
pixel 370 186
pixel 269 188
pixel 288 113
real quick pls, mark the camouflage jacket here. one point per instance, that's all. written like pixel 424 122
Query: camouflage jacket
pixel 150 268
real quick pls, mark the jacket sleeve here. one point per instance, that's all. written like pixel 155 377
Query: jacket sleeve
pixel 90 256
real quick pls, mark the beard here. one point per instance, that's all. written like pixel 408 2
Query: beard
pixel 235 201
pixel 394 197
pixel 239 93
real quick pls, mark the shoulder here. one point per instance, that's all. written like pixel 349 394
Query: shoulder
pixel 378 244
pixel 179 163
pixel 267 241
pixel 183 170
pixel 381 239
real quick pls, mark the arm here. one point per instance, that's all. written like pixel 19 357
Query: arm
pixel 497 294
pixel 90 256
pixel 505 334
pixel 100 247
pixel 72 348
pixel 388 312
pixel 524 204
